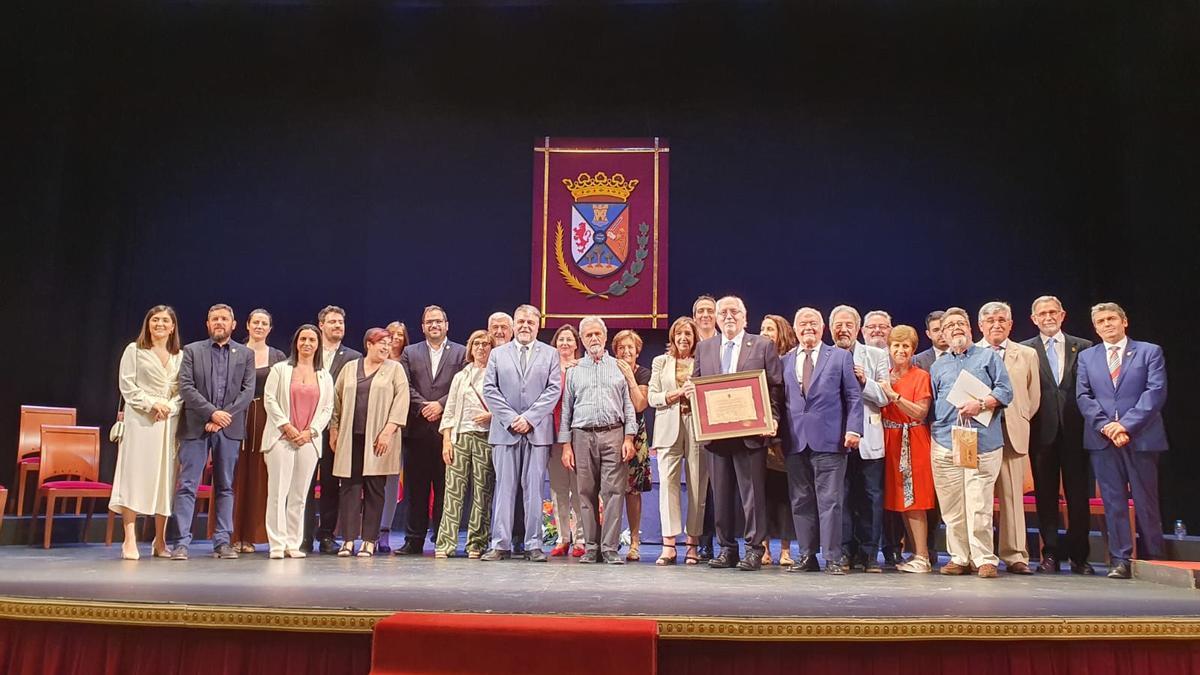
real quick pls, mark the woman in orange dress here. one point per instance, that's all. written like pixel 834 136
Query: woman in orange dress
pixel 908 482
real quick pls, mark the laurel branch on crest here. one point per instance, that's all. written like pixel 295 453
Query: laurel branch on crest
pixel 621 286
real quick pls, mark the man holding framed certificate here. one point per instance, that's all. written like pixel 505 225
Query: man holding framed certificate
pixel 735 415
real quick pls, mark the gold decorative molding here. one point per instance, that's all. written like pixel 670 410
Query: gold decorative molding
pixel 669 628
pixel 199 616
pixel 835 629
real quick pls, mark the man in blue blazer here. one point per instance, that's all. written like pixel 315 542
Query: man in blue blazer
pixel 216 383
pixel 1121 390
pixel 823 423
pixel 521 386
pixel 738 466
pixel 430 365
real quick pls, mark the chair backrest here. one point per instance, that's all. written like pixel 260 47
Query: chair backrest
pixel 32 419
pixel 70 451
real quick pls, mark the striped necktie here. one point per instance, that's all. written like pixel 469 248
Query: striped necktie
pixel 1114 362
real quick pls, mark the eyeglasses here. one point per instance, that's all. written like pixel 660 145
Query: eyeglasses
pixel 730 311
pixel 952 324
pixel 807 324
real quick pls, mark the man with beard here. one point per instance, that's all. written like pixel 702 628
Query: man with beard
pixel 965 494
pixel 937 347
pixel 738 466
pixel 995 322
pixel 704 313
pixel 597 429
pixel 877 328
pixel 431 366
pixel 862 510
pixel 823 402
pixel 1121 391
pixel 1056 441
pixel 331 320
pixel 216 383
pixel 521 386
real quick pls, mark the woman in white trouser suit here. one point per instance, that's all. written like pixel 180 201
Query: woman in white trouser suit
pixel 298 398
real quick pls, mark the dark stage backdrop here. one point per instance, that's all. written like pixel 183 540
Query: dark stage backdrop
pixel 905 156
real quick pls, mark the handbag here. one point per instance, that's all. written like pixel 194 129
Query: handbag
pixel 964 442
pixel 117 432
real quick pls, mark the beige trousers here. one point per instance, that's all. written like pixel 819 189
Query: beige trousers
pixel 1010 489
pixel 966 500
pixel 670 467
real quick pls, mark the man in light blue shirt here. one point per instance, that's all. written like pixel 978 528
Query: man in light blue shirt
pixel 597 429
pixel 964 494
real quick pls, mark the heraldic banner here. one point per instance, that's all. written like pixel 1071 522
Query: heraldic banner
pixel 600 231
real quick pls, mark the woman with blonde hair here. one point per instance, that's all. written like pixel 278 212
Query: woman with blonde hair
pixel 908 478
pixel 467 454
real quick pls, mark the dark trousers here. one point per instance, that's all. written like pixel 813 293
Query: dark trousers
pixel 360 498
pixel 710 527
pixel 1069 460
pixel 862 508
pixel 321 515
pixel 424 471
pixel 1116 467
pixel 816 481
pixel 739 481
pixel 193 457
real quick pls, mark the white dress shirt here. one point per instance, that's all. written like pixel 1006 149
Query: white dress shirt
pixel 435 356
pixel 1120 350
pixel 816 351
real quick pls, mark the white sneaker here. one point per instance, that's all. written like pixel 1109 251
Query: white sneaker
pixel 916 565
pixel 275 555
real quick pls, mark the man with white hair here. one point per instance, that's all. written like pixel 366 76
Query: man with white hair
pixel 862 509
pixel 597 429
pixel 824 422
pixel 965 493
pixel 738 468
pixel 877 328
pixel 500 327
pixel 521 386
pixel 1021 362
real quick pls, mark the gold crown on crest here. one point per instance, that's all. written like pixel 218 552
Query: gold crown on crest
pixel 601 185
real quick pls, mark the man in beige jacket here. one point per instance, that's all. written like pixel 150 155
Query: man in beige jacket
pixel 995 322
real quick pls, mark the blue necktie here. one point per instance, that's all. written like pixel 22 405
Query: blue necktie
pixel 727 357
pixel 1052 358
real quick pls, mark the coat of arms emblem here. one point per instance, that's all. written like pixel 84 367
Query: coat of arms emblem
pixel 600 234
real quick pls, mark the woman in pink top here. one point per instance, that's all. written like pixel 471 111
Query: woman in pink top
pixel 299 401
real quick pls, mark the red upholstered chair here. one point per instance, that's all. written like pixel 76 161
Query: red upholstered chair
pixel 29 442
pixel 1096 508
pixel 72 455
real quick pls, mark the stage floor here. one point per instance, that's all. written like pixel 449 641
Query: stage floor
pixel 95 574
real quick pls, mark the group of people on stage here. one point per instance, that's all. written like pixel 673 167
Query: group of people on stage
pixel 861 461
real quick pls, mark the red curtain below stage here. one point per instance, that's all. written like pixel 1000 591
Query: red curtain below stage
pixel 505 644
pixel 37 647
pixel 1079 657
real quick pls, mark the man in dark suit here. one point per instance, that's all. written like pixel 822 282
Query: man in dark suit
pixel 332 322
pixel 824 422
pixel 1056 440
pixel 216 383
pixel 1121 390
pixel 431 365
pixel 738 466
pixel 937 346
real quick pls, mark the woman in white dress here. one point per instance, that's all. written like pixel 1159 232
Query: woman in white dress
pixel 145 476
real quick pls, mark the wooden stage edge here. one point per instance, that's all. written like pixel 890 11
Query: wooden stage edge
pixel 800 629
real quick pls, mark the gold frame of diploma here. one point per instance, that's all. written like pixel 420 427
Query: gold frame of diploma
pixel 731 406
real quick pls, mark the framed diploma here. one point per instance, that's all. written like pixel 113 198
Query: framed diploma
pixel 730 406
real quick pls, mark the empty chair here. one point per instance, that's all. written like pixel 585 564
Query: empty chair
pixel 71 456
pixel 29 442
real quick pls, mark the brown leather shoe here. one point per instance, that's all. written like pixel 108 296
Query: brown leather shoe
pixel 988 571
pixel 1017 568
pixel 954 569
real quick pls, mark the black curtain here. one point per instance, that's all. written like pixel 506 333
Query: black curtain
pixel 889 155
